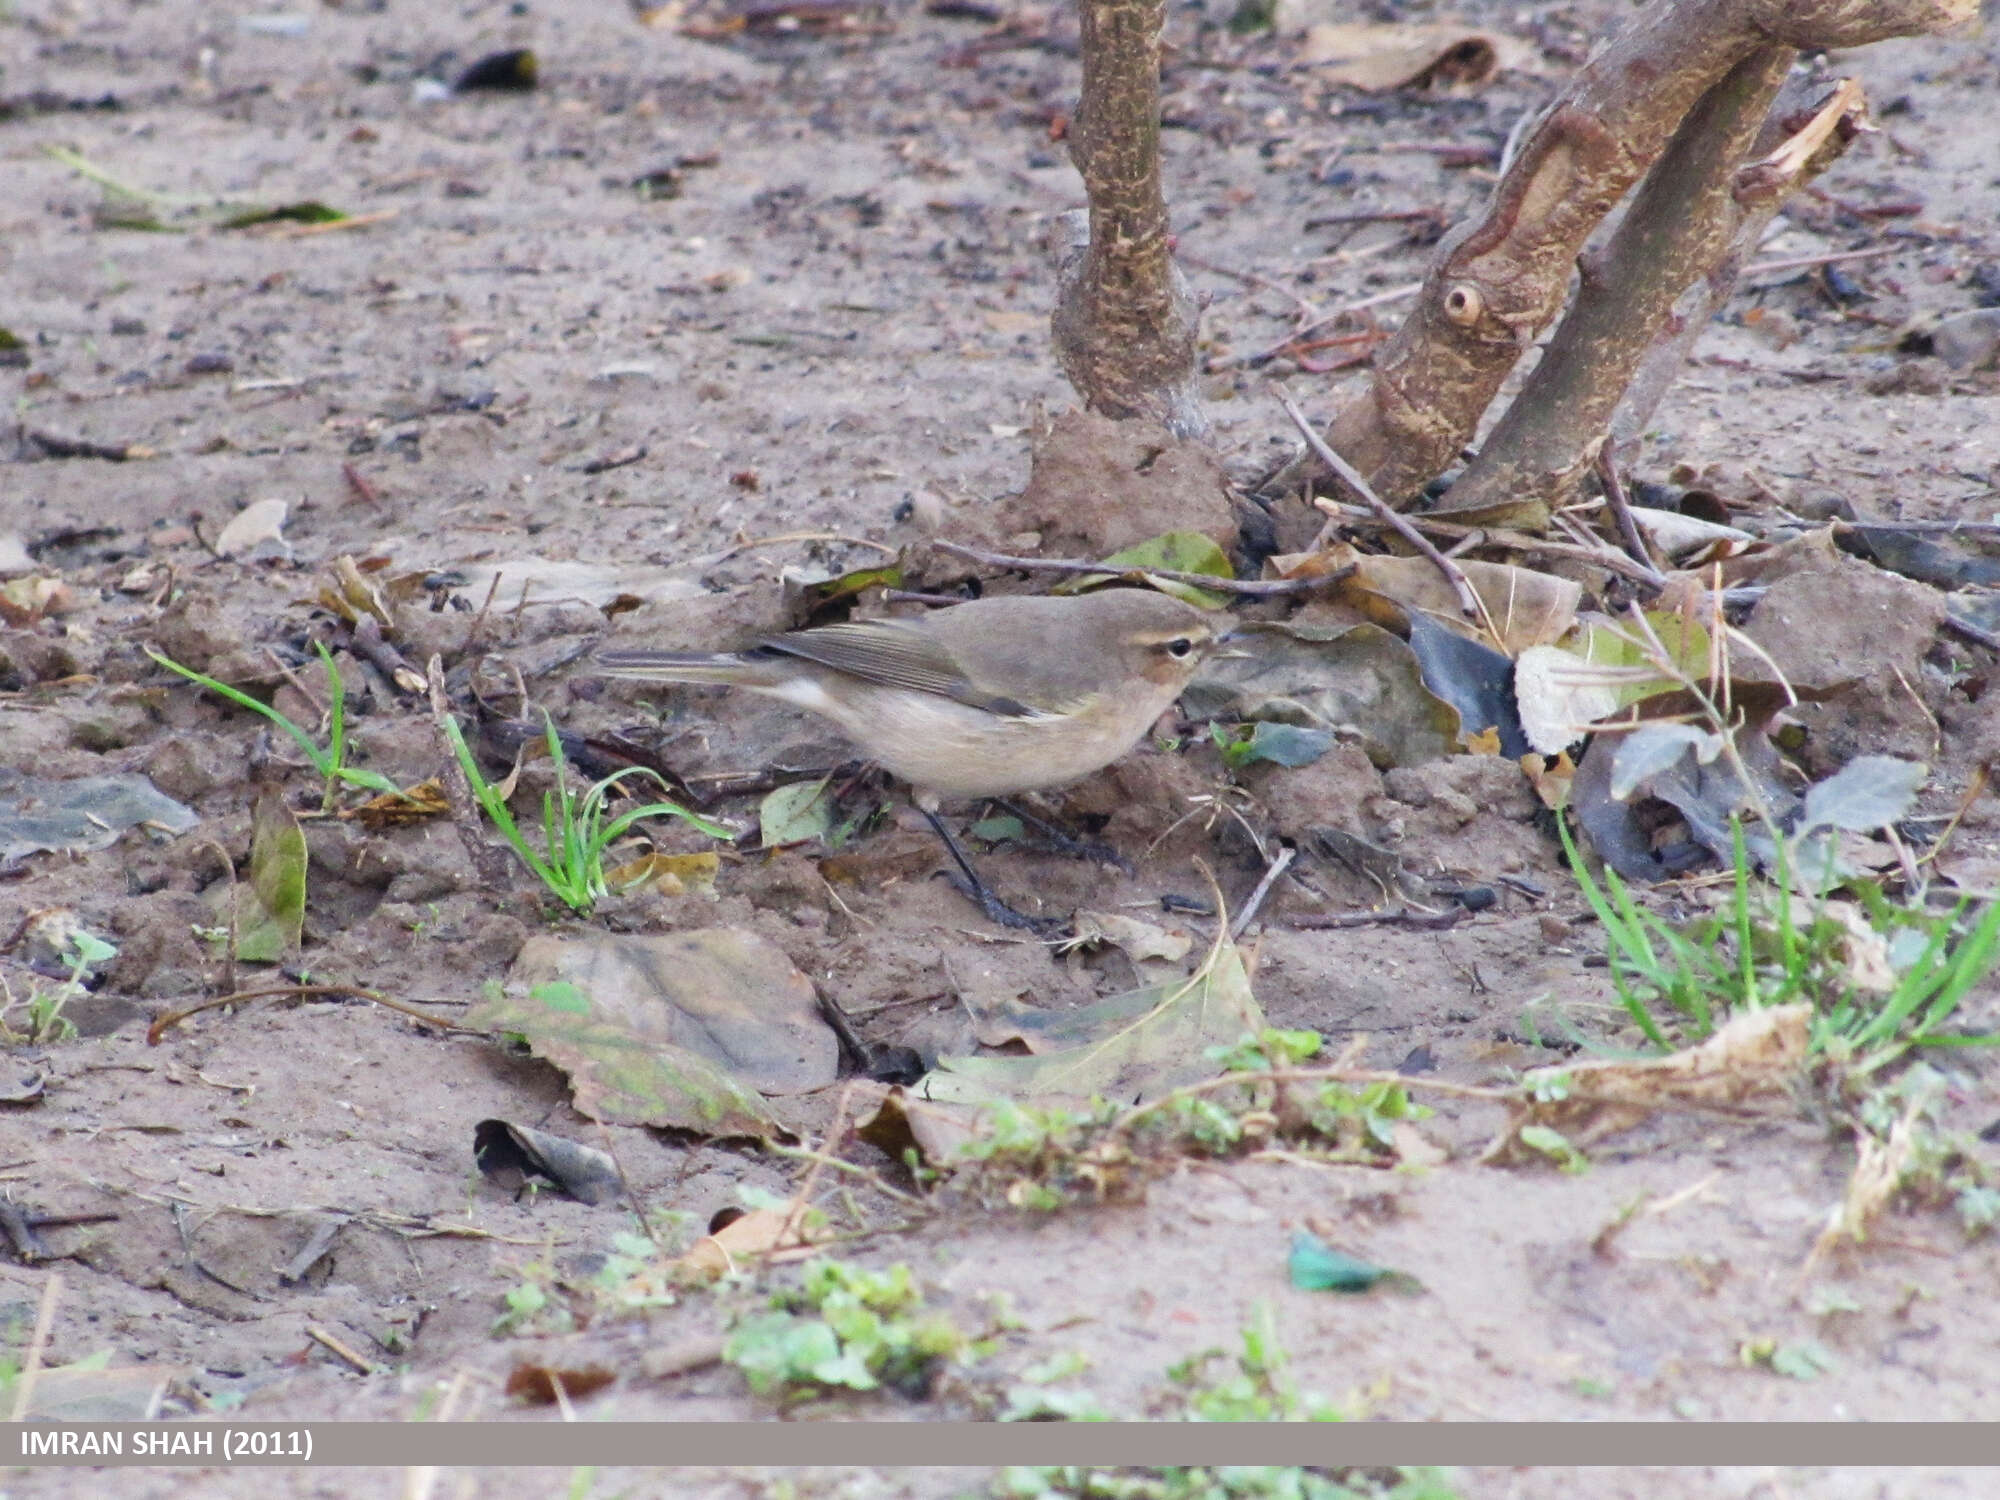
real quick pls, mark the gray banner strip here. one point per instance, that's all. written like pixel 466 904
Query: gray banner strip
pixel 895 1444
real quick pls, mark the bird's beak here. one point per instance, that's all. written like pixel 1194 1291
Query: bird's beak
pixel 1225 645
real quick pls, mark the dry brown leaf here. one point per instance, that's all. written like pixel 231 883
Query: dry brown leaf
pixel 939 1131
pixel 23 601
pixel 1878 1172
pixel 1378 58
pixel 759 1232
pixel 411 805
pixel 257 530
pixel 346 593
pixel 1140 940
pixel 671 874
pixel 1525 608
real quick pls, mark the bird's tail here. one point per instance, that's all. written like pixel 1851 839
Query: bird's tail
pixel 738 668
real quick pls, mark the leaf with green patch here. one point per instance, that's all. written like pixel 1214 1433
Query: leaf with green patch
pixel 796 814
pixel 269 922
pixel 306 211
pixel 1316 1266
pixel 681 1030
pixel 818 596
pixel 1561 691
pixel 1001 828
pixel 1290 745
pixel 1144 1041
pixel 1359 681
pixel 1178 551
pixel 1804 1359
pixel 1556 1146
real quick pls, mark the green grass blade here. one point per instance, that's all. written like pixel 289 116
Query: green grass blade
pixel 319 758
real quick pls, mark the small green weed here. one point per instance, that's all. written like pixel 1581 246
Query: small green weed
pixel 1042 1158
pixel 1259 1388
pixel 1245 1482
pixel 844 1327
pixel 330 760
pixel 42 1019
pixel 577 828
pixel 1678 982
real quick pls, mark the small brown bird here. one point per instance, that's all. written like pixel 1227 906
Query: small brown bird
pixel 984 699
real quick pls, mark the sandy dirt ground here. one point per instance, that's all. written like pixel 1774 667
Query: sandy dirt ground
pixel 825 323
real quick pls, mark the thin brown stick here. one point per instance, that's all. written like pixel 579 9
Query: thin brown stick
pixel 168 1022
pixel 1307 307
pixel 1468 601
pixel 1278 867
pixel 794 1225
pixel 1257 588
pixel 1928 528
pixel 1972 633
pixel 1621 507
pixel 1808 262
pixel 1265 356
pixel 1601 553
pixel 800 536
pixel 328 1339
pixel 1401 916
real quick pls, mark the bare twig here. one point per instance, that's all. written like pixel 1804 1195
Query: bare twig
pixel 1972 633
pixel 1265 356
pixel 169 1021
pixel 328 1339
pixel 1620 507
pixel 1400 916
pixel 1256 588
pixel 794 1225
pixel 1468 601
pixel 1308 309
pixel 1593 550
pixel 798 536
pixel 1278 867
pixel 1590 544
pixel 1808 262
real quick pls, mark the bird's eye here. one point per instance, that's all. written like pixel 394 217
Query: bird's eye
pixel 1180 647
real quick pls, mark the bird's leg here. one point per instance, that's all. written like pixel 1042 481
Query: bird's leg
pixel 1065 842
pixel 977 890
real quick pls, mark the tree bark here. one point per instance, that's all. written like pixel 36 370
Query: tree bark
pixel 1497 281
pixel 1125 317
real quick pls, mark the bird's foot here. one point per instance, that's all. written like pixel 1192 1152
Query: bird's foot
pixel 1063 842
pixel 999 912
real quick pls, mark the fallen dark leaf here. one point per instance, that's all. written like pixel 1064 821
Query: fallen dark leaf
pixel 512 71
pixel 509 1154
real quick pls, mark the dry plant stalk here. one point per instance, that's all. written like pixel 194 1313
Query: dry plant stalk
pixel 1692 67
pixel 1125 318
pixel 1742 1069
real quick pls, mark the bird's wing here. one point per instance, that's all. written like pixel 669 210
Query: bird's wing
pixel 893 653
